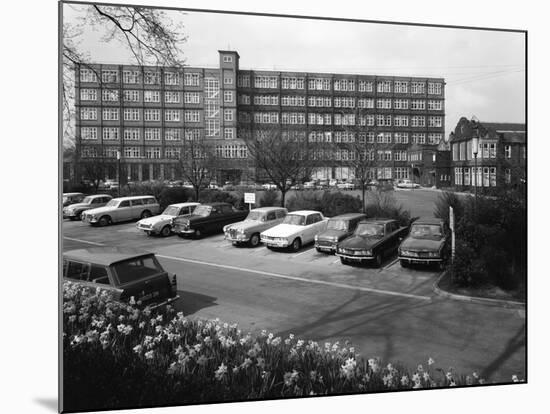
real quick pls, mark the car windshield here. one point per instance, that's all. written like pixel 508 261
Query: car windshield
pixel 112 203
pixel 87 200
pixel 256 216
pixel 203 211
pixel 370 230
pixel 426 231
pixel 135 269
pixel 65 198
pixel 295 219
pixel 171 211
pixel 337 225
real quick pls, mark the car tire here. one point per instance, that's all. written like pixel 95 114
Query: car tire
pixel 165 231
pixel 181 235
pixel 318 250
pixel 255 240
pixel 296 244
pixel 198 233
pixel 378 260
pixel 404 263
pixel 343 261
pixel 146 214
pixel 103 221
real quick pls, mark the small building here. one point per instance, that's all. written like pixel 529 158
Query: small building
pixel 499 159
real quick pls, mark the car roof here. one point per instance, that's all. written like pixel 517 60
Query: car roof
pixel 134 197
pixel 305 212
pixel 378 220
pixel 348 216
pixel 71 194
pixel 99 195
pixel 429 220
pixel 184 204
pixel 266 209
pixel 105 256
pixel 217 204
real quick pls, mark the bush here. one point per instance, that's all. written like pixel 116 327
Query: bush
pixel 153 189
pixel 218 196
pixel 444 201
pixel 175 195
pixel 382 204
pixel 334 204
pixel 270 198
pixel 305 200
pixel 116 356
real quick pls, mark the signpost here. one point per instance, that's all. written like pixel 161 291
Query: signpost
pixel 452 226
pixel 250 198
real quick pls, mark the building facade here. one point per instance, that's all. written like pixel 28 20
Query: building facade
pixel 146 114
pixel 501 155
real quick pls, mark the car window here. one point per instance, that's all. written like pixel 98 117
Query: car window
pixel 97 200
pixel 124 203
pixel 98 274
pixel 149 200
pixel 135 269
pixel 313 218
pixel 138 202
pixel 280 213
pixel 271 216
pixel 77 271
pixel 227 209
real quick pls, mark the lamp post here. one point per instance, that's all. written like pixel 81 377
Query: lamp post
pixel 475 147
pixel 118 156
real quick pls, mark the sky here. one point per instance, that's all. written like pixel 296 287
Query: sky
pixel 484 70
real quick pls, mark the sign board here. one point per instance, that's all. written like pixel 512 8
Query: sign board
pixel 250 198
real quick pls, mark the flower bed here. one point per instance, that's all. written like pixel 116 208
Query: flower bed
pixel 117 356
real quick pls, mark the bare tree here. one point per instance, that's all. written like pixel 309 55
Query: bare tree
pixel 197 162
pixel 281 155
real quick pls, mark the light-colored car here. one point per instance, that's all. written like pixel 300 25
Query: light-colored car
pixel 122 209
pixel 297 229
pixel 345 186
pixel 269 186
pixel 71 198
pixel 258 220
pixel 309 185
pixel 162 224
pixel 407 184
pixel 74 211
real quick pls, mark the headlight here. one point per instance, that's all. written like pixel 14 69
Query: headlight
pixel 240 231
pixel 433 254
pixel 316 237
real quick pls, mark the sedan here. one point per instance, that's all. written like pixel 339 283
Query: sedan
pixel 407 184
pixel 162 224
pixel 426 244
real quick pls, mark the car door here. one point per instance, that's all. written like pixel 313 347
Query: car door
pixel 137 208
pixel 123 211
pixel 392 230
pixel 311 227
pixel 228 216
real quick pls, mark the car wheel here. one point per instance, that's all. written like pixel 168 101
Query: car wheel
pixel 104 220
pixel 198 233
pixel 165 232
pixel 318 250
pixel 343 260
pixel 146 214
pixel 255 240
pixel 378 260
pixel 296 244
pixel 403 263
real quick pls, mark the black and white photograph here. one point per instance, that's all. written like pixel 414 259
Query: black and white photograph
pixel 263 207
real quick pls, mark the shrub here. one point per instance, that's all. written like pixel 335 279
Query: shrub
pixel 175 195
pixel 444 201
pixel 305 200
pixel 270 198
pixel 153 189
pixel 117 356
pixel 383 204
pixel 218 196
pixel 336 203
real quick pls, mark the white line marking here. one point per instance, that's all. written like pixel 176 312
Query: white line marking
pixel 299 279
pixel 305 251
pixel 336 261
pixel 84 241
pixel 390 265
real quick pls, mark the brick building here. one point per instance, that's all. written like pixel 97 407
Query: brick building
pixel 501 154
pixel 148 113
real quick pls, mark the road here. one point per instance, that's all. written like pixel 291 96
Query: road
pixel 391 313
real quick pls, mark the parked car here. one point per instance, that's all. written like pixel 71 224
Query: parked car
pixel 322 185
pixel 228 186
pixel 72 198
pixel 426 243
pixel 297 187
pixel 269 186
pixel 207 218
pixel 110 184
pixel 122 209
pixel 407 184
pixel 127 273
pixel 213 186
pixel 333 182
pixel 345 186
pixel 258 220
pixel 338 228
pixel 175 184
pixel 372 240
pixel 74 211
pixel 310 185
pixel 162 224
pixel 297 229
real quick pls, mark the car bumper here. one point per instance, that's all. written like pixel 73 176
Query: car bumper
pixel 182 231
pixel 325 248
pixel 240 238
pixel 275 243
pixel 420 260
pixel 89 219
pixel 355 258
pixel 164 303
pixel 150 230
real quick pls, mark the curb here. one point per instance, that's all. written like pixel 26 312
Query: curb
pixel 483 301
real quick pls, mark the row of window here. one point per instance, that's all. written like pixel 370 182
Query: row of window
pixel 149 134
pixel 364 155
pixel 344 85
pixel 221 151
pixel 112 95
pixel 154 115
pixel 464 150
pixel 484 177
pixel 132 77
pixel 371 137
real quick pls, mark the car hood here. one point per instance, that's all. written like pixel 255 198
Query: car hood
pixel 163 218
pixel 360 242
pixel 79 205
pixel 329 234
pixel 421 244
pixel 245 225
pixel 283 230
pixel 100 210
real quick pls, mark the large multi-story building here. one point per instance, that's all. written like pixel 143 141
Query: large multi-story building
pixel 147 114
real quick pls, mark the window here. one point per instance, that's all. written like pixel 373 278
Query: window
pixel 151 78
pixel 88 133
pixel 383 103
pixel 383 120
pixel 344 102
pixel 172 134
pixel 435 105
pixel 227 79
pixel 400 104
pixel 132 152
pixel 266 100
pixel 131 134
pixel 507 175
pixel 171 78
pixel 418 104
pixel 172 152
pixel 434 139
pixel 366 103
pixel 493 176
pixel 458 176
pixel 131 114
pixel 243 81
pixel 486 177
pixel 110 133
pixel 227 59
pixel 229 133
pixel 191 97
pixel 152 115
pixel 401 138
pixel 151 96
pixel 418 121
pixel 110 95
pixel 507 151
pixel 344 85
pixel 401 173
pixel 131 96
pixel 383 138
pixel 400 155
pixel 383 86
pixel 418 87
pixel 434 88
pixel 228 115
pixel 435 122
pixel 192 134
pixel 88 114
pixel 366 86
pixel 266 117
pixel 191 79
pixel 319 84
pixel 172 97
pixel 110 114
pixel 467 180
pixel 192 116
pixel 212 128
pixel 292 83
pixel 344 119
pixel 266 82
pixel 130 77
pixel 296 100
pixel 228 96
pixel 400 86
pixel 244 99
pixel 172 115
pixel 109 76
pixel 419 139
pixel 88 75
pixel 152 152
pixel 152 134
pixel 401 121
pixel 88 94
pixel 462 151
pixel 492 150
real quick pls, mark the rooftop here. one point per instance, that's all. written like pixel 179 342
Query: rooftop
pixel 104 256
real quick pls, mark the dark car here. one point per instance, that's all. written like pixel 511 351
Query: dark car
pixel 338 228
pixel 426 243
pixel 127 273
pixel 372 241
pixel 73 211
pixel 207 218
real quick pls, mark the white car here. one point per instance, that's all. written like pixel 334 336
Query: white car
pixel 407 184
pixel 345 186
pixel 297 229
pixel 162 224
pixel 269 186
